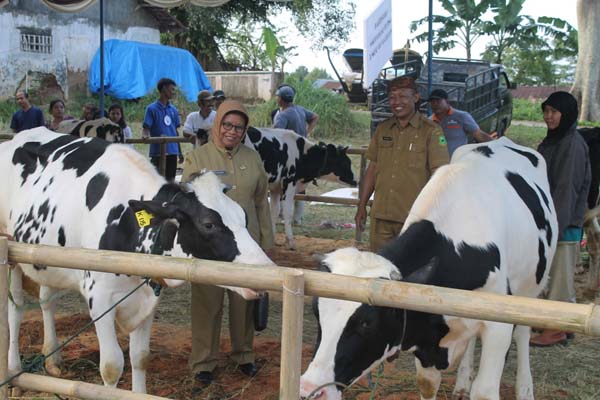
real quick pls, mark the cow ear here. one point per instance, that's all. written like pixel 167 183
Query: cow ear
pixel 424 274
pixel 156 208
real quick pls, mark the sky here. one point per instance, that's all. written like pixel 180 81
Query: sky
pixel 405 11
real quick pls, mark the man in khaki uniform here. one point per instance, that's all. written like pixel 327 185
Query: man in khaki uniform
pixel 404 152
pixel 245 174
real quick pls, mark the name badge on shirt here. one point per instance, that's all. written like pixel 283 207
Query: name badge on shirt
pixel 167 120
pixel 387 138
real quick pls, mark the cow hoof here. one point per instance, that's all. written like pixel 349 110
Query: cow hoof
pixel 53 368
pixel 461 395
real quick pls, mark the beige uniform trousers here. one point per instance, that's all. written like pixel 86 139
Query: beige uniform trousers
pixel 382 231
pixel 561 286
pixel 207 300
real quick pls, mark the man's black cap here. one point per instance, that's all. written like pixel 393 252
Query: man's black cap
pixel 438 94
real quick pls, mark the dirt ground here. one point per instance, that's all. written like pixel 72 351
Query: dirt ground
pixel 168 373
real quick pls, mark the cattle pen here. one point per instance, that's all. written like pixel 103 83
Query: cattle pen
pixel 294 283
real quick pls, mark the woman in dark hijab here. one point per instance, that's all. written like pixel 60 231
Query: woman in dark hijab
pixel 569 175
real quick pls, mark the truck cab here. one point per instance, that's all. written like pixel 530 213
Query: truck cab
pixel 478 87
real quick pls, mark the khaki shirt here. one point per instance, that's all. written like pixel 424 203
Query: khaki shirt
pixel 405 160
pixel 246 176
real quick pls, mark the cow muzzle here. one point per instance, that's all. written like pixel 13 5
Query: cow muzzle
pixel 311 391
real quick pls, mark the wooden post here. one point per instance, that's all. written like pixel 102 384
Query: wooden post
pixel 3 316
pixel 162 164
pixel 363 167
pixel 291 335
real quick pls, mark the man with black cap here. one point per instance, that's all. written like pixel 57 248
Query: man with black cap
pixel 458 126
pixel 292 116
pixel 298 119
pixel 199 123
pixel 219 96
pixel 404 152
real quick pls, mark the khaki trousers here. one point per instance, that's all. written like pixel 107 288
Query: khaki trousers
pixel 561 286
pixel 207 312
pixel 382 231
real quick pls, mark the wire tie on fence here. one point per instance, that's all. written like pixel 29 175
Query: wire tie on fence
pixel 295 293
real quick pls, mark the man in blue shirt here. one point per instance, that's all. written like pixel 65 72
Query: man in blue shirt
pixel 298 119
pixel 291 116
pixel 28 116
pixel 162 119
pixel 458 126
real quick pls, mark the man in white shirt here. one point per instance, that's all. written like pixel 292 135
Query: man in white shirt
pixel 199 123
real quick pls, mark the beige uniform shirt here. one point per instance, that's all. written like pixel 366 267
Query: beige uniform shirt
pixel 405 160
pixel 246 176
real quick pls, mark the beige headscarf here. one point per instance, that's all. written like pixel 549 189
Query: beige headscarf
pixel 225 108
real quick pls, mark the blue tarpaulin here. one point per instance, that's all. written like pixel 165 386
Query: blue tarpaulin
pixel 132 69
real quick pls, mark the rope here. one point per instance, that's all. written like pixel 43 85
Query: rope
pixel 37 362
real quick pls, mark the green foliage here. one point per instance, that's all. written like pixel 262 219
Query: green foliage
pixel 336 121
pixel 301 73
pixel 7 109
pixel 463 26
pixel 527 110
pixel 208 30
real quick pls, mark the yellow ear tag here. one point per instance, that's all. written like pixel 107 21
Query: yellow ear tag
pixel 143 218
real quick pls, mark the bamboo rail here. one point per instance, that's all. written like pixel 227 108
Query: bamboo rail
pixel 163 140
pixel 80 390
pixel 291 336
pixel 3 316
pixel 577 318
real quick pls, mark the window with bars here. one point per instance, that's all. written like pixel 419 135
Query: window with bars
pixel 36 42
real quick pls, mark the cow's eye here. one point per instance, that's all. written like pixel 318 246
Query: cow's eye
pixel 364 324
pixel 209 225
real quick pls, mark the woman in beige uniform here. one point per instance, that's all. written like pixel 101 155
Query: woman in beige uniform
pixel 245 174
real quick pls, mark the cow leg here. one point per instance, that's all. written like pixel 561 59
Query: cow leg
pixel 111 355
pixel 15 316
pixel 524 380
pixel 139 354
pixel 495 341
pixel 288 214
pixel 274 205
pixel 464 375
pixel 428 381
pixel 48 304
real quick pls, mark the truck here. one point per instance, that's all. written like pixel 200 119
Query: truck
pixel 476 86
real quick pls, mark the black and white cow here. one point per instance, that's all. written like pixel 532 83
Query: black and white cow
pixel 291 162
pixel 485 222
pixel 102 128
pixel 592 139
pixel 84 192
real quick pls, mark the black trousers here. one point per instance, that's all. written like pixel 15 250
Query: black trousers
pixel 170 168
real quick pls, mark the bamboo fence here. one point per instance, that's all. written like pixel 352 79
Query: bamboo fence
pixel 580 318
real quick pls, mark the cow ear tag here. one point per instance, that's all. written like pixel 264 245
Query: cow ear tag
pixel 143 218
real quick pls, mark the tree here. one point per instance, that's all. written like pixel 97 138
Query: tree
pixel 207 28
pixel 317 73
pixel 587 76
pixel 462 27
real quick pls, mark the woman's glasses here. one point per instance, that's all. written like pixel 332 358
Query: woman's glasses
pixel 229 126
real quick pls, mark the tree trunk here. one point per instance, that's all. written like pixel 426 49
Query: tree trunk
pixel 587 76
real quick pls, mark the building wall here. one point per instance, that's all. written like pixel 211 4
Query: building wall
pixel 245 84
pixel 75 39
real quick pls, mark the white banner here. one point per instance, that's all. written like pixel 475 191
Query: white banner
pixel 378 41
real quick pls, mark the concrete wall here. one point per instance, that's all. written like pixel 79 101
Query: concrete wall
pixel 245 84
pixel 75 37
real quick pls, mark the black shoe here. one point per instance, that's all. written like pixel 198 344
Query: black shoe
pixel 205 378
pixel 570 336
pixel 248 369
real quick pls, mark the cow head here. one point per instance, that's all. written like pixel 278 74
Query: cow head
pixel 353 338
pixel 198 220
pixel 338 164
pixel 107 130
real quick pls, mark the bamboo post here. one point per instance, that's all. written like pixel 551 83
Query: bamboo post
pixel 3 316
pixel 162 164
pixel 291 334
pixel 79 390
